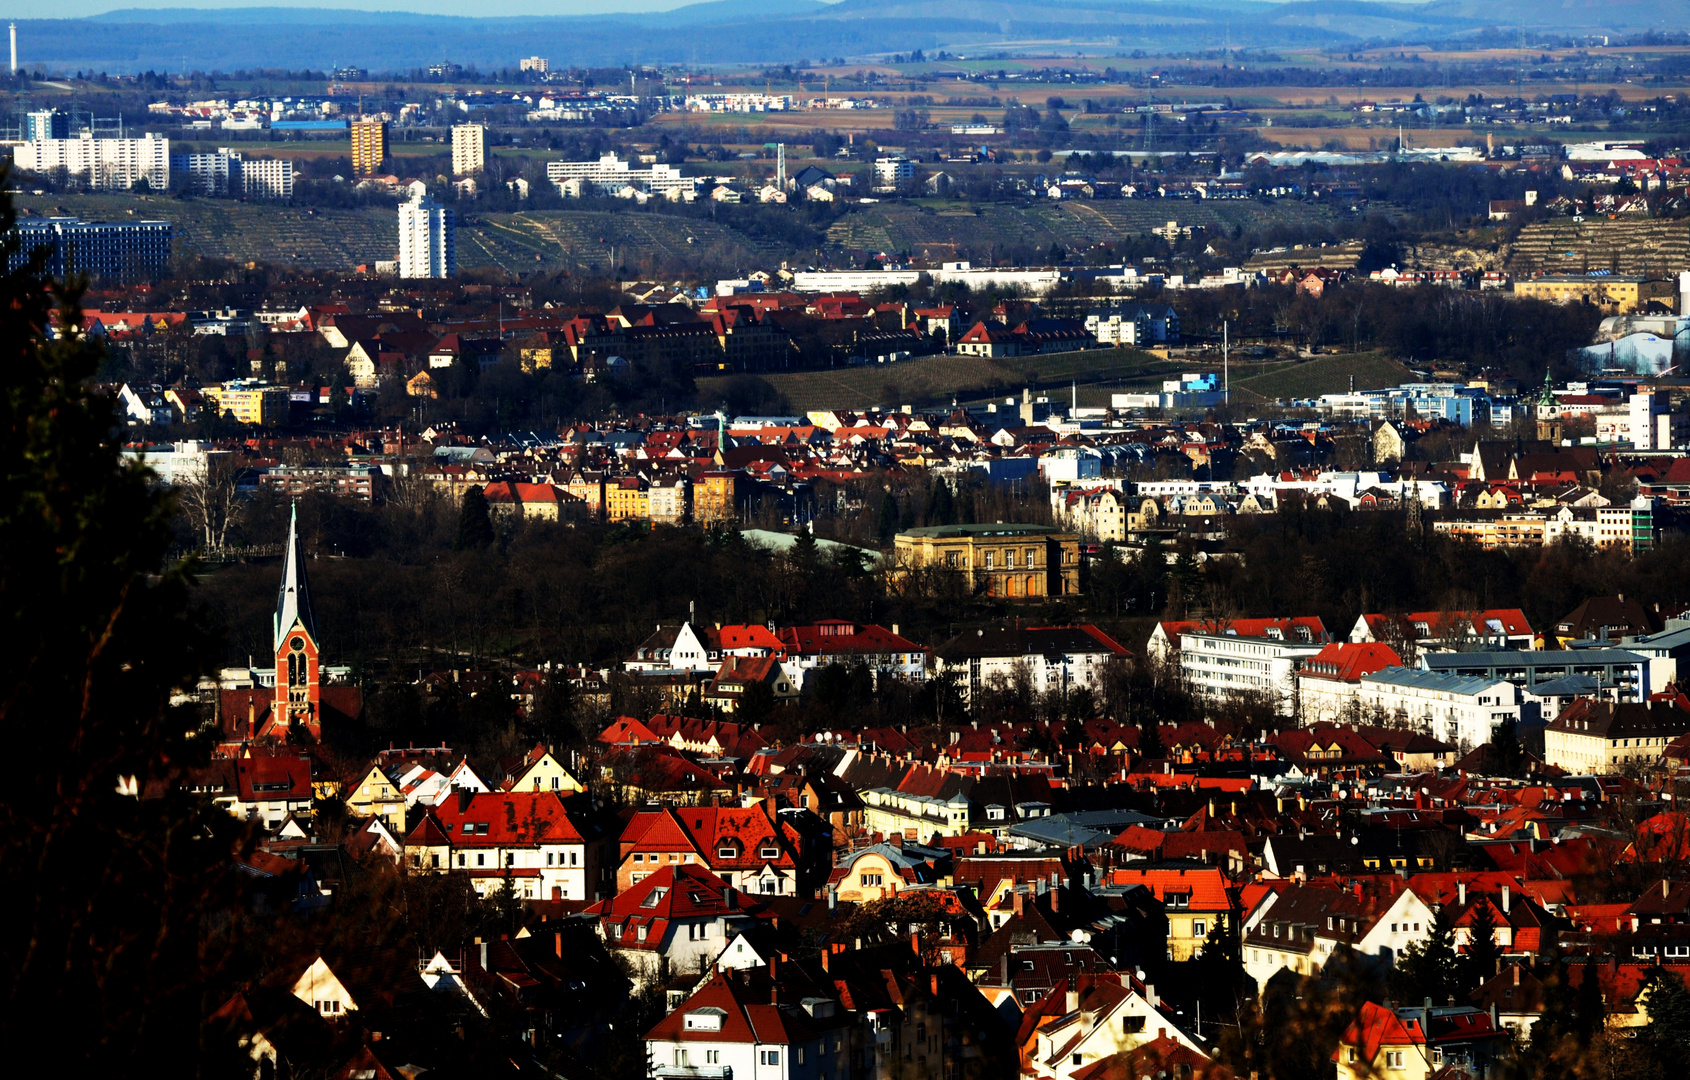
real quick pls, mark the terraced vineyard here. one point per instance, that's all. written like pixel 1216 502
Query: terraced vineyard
pixel 1630 246
pixel 245 232
pixel 1076 224
pixel 589 240
pixel 936 380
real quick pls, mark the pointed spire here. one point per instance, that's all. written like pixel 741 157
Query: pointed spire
pixel 293 602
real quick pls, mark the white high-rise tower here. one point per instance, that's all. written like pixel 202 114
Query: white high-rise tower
pixel 14 48
pixel 428 239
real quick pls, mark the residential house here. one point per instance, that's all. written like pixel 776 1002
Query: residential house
pixel 378 795
pixel 1606 737
pixel 748 847
pixel 1299 927
pixel 677 920
pixel 1199 899
pixel 1416 1043
pixel 528 838
pixel 728 1028
pixel 1056 660
pixel 884 870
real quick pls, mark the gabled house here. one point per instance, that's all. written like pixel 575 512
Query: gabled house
pixel 747 847
pixel 1415 1043
pixel 1115 1014
pixel 676 920
pixel 527 838
pixel 378 795
pixel 1299 927
pixel 729 1028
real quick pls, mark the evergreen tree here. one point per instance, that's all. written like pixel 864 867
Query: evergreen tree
pixel 1149 736
pixel 1506 757
pixel 110 941
pixel 1429 968
pixel 1668 1004
pixel 887 525
pixel 942 509
pixel 475 524
pixel 1479 962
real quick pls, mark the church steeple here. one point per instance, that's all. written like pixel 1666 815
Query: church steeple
pixel 298 689
pixel 293 602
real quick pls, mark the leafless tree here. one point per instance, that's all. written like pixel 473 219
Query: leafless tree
pixel 211 500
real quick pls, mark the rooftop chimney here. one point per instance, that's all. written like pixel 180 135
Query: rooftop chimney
pixel 1461 892
pixel 1505 901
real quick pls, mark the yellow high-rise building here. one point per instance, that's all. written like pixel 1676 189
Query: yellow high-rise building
pixel 369 146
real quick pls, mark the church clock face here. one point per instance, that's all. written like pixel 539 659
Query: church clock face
pixel 297 644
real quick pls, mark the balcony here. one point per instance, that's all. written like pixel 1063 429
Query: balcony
pixel 692 1072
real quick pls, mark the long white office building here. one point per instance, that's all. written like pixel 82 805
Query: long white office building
pixel 103 164
pixel 228 172
pixel 1035 281
pixel 1222 664
pixel 610 174
pixel 428 240
pixel 1458 709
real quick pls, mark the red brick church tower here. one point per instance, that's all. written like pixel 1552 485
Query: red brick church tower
pixel 298 686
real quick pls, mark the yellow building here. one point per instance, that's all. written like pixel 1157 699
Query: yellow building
pixel 627 498
pixel 545 773
pixel 1012 561
pixel 1507 530
pixel 376 795
pixel 1621 295
pixel 715 498
pixel 248 404
pixel 369 146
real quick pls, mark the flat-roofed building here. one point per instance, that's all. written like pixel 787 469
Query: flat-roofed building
pixel 1623 295
pixel 369 146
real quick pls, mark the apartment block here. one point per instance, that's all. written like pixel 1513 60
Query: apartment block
pixel 469 149
pixel 369 146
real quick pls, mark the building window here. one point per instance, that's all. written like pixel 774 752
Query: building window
pixel 726 853
pixel 769 853
pixel 481 858
pixel 1076 1059
pixel 769 1057
pixel 1393 1059
pixel 1132 1025
pixel 712 1057
pixel 871 879
pixel 1198 928
pixel 798 1055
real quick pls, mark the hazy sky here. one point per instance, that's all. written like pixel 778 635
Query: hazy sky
pixel 59 9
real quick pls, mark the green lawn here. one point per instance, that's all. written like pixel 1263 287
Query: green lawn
pixel 1322 375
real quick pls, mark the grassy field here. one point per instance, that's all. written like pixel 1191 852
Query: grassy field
pixel 936 380
pixel 1322 375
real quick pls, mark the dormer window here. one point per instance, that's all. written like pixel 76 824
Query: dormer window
pixel 727 851
pixel 768 853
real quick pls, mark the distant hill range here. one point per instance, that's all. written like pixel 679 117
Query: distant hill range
pixel 731 31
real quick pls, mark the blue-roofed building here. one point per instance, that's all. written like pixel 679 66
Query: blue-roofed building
pixel 1619 672
pixel 1453 708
